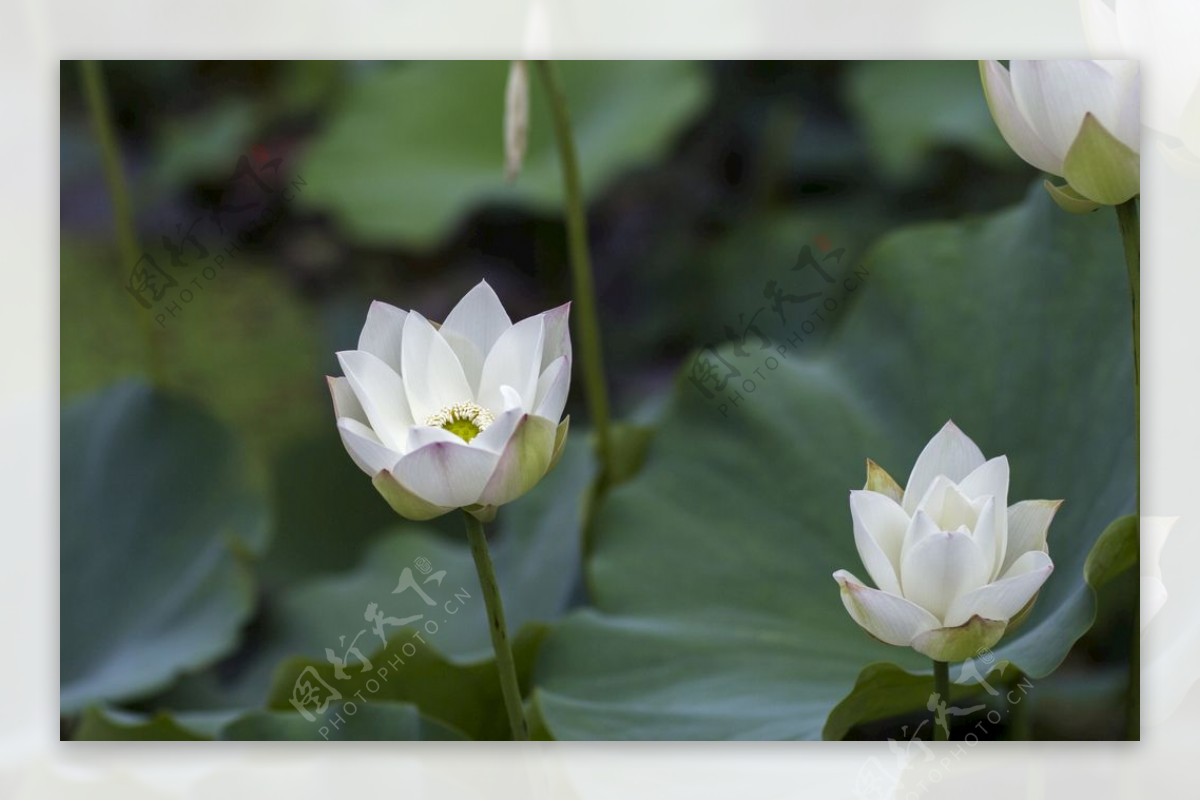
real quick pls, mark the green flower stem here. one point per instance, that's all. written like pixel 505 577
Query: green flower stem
pixel 1131 237
pixel 1128 218
pixel 509 686
pixel 1020 715
pixel 97 102
pixel 941 686
pixel 587 324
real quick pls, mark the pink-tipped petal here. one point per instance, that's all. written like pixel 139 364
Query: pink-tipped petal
pixel 447 474
pixel 886 617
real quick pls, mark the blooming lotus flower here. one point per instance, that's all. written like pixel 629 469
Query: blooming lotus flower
pixel 461 416
pixel 1079 120
pixel 953 564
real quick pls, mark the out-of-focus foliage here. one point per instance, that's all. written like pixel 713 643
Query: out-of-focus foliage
pixel 910 109
pixel 247 346
pixel 413 147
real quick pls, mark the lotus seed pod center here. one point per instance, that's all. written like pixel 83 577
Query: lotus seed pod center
pixel 464 420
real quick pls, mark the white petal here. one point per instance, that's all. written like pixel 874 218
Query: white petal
pixel 510 399
pixel 950 453
pixel 985 533
pixel 404 501
pixel 497 435
pixel 990 478
pixel 1055 95
pixel 933 503
pixel 956 510
pixel 383 332
pixel 345 404
pixel 472 328
pixel 433 378
pixel 515 360
pixel 364 447
pixel 420 436
pixel 450 474
pixel 380 392
pixel 1129 121
pixel 879 526
pixel 940 568
pixel 1028 522
pixel 922 526
pixel 479 317
pixel 888 617
pixel 1127 75
pixel 1028 562
pixel 558 335
pixel 1015 129
pixel 1002 599
pixel 552 389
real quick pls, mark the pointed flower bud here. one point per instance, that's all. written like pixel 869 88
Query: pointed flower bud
pixel 1079 120
pixel 516 118
pixel 953 564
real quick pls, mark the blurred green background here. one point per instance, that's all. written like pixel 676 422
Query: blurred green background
pixel 346 182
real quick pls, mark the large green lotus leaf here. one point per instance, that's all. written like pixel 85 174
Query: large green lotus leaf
pixel 97 723
pixel 463 699
pixel 368 721
pixel 912 108
pixel 413 147
pixel 707 288
pixel 716 616
pixel 379 720
pixel 158 515
pixel 326 513
pixel 884 690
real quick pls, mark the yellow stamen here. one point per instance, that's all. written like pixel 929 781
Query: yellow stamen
pixel 464 420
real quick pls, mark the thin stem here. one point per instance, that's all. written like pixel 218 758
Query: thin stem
pixel 509 686
pixel 587 323
pixel 96 96
pixel 1129 221
pixel 941 686
pixel 1020 716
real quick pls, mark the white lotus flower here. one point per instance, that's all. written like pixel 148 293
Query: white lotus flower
pixel 954 565
pixel 465 416
pixel 1079 120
